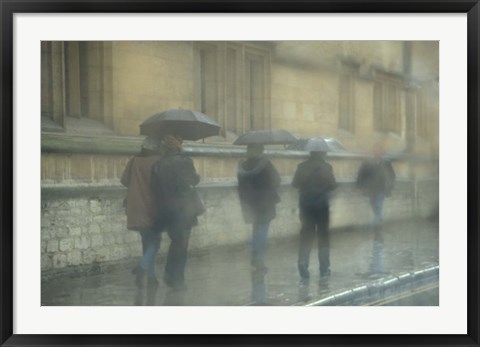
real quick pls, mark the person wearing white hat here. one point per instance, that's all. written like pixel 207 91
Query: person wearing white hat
pixel 315 180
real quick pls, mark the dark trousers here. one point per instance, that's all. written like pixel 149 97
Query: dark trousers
pixel 314 223
pixel 177 256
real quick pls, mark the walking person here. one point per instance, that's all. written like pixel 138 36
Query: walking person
pixel 140 209
pixel 258 182
pixel 173 180
pixel 376 178
pixel 315 180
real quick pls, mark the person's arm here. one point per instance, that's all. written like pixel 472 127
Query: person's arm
pixel 127 173
pixel 296 178
pixel 361 176
pixel 391 171
pixel 154 184
pixel 191 176
pixel 332 181
pixel 274 175
pixel 391 176
pixel 241 189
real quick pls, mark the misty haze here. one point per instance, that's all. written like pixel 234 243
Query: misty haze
pixel 234 173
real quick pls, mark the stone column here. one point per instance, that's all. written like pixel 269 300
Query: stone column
pixel 222 87
pixel 72 71
pixel 108 84
pixel 409 98
pixel 58 82
pixel 46 79
pixel 410 119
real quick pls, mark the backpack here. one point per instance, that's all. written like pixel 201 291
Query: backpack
pixel 316 195
pixel 173 178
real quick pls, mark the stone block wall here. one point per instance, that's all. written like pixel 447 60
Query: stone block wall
pixel 84 226
pixel 84 229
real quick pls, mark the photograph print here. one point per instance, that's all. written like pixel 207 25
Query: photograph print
pixel 239 173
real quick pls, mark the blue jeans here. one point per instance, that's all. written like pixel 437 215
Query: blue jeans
pixel 376 201
pixel 150 246
pixel 259 290
pixel 259 243
pixel 377 252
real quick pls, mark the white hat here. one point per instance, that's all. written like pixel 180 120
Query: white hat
pixel 316 144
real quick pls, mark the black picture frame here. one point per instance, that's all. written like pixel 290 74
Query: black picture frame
pixel 11 7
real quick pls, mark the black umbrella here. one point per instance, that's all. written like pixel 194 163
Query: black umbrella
pixel 190 125
pixel 265 137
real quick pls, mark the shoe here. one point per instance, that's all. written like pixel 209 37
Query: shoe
pixel 260 269
pixel 303 270
pixel 139 296
pixel 325 274
pixel 180 286
pixel 139 277
pixel 152 286
pixel 259 266
pixel 168 280
pixel 304 281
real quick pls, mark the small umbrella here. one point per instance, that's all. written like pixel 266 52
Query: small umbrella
pixel 333 144
pixel 265 137
pixel 317 144
pixel 190 125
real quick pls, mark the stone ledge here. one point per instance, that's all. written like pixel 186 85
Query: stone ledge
pixel 93 191
pixel 118 145
pixel 53 142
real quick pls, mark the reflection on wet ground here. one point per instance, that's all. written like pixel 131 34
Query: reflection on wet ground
pixel 224 277
pixel 421 296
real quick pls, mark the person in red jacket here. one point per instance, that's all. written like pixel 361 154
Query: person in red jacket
pixel 140 209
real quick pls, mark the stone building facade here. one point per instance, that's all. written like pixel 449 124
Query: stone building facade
pixel 95 95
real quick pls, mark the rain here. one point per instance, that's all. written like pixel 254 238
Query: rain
pixel 240 173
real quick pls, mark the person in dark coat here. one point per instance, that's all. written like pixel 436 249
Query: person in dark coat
pixel 258 182
pixel 140 209
pixel 173 180
pixel 376 178
pixel 315 180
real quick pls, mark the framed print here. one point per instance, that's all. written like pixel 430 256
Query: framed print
pixel 254 173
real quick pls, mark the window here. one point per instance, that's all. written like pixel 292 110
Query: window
pixel 73 83
pixel 346 107
pixel 233 121
pixel 426 110
pixel 52 93
pixel 231 84
pixel 205 69
pixel 254 92
pixel 387 103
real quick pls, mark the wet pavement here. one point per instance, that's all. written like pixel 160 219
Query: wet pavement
pixel 223 277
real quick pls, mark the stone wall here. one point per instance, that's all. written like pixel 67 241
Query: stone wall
pixel 84 227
